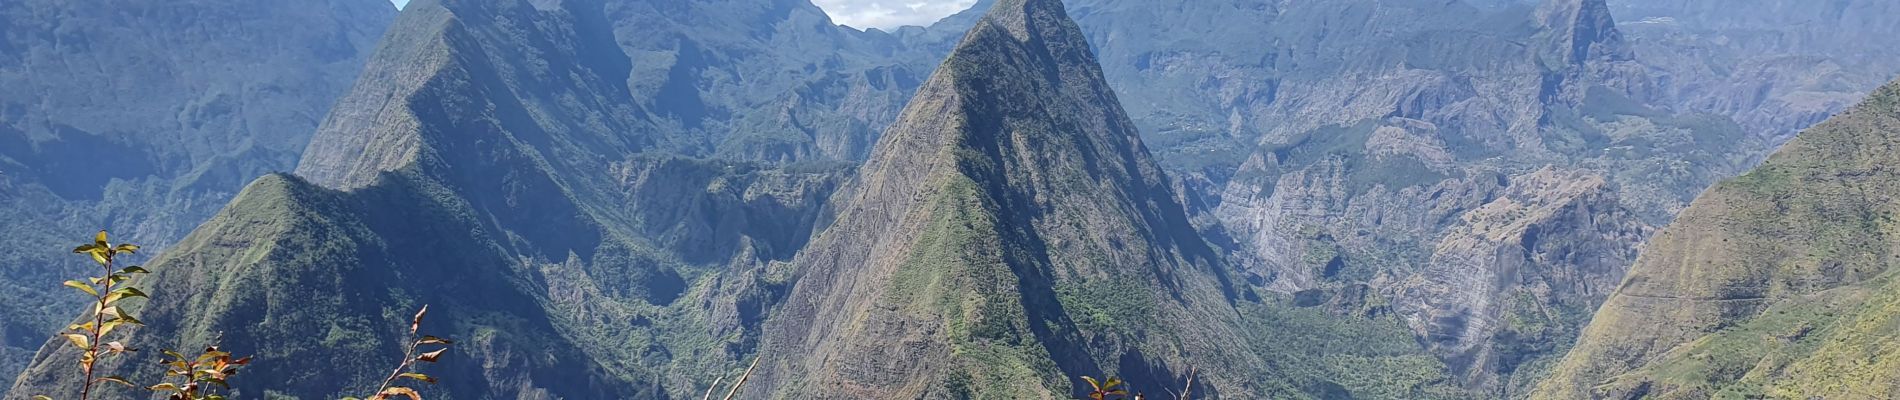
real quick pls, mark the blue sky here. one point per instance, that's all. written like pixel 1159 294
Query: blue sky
pixel 883 14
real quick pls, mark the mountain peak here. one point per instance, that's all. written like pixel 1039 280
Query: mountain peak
pixel 1018 15
pixel 1583 30
pixel 1010 228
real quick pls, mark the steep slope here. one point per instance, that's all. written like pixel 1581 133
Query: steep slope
pixel 506 133
pixel 291 271
pixel 145 117
pixel 1778 283
pixel 1009 235
pixel 1342 144
pixel 1351 147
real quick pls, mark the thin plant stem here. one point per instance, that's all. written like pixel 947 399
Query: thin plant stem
pixel 98 321
pixel 742 379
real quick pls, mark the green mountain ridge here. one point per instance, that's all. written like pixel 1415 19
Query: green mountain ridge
pixel 1775 284
pixel 1340 199
pixel 1010 234
pixel 292 271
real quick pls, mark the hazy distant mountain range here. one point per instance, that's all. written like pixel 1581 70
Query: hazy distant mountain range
pixel 632 198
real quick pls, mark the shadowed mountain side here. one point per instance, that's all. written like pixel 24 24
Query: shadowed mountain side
pixel 145 117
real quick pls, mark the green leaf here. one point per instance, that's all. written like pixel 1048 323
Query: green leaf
pixel 127 318
pixel 42 397
pixel 82 286
pixel 124 293
pixel 134 270
pixel 168 386
pixel 126 248
pixel 108 326
pixel 419 377
pixel 85 248
pixel 78 340
pixel 99 257
pixel 99 239
pixel 116 379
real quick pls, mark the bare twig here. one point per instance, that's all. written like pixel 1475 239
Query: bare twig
pixel 715 386
pixel 408 358
pixel 1187 391
pixel 742 379
pixel 406 369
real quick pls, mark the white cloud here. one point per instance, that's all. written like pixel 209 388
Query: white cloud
pixel 887 14
pixel 881 14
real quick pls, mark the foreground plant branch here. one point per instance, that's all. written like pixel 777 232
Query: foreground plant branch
pixel 406 369
pixel 199 374
pixel 106 291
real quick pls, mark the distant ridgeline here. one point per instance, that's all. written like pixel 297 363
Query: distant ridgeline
pixel 1375 199
pixel 145 117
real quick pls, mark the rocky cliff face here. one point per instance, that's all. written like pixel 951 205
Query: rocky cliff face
pixel 1343 160
pixel 1776 283
pixel 642 171
pixel 1518 277
pixel 1346 142
pixel 146 117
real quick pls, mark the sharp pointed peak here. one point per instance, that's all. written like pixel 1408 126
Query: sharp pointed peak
pixel 1021 17
pixel 1582 30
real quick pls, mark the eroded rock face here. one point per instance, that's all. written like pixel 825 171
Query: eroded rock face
pixel 1341 158
pixel 1517 277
